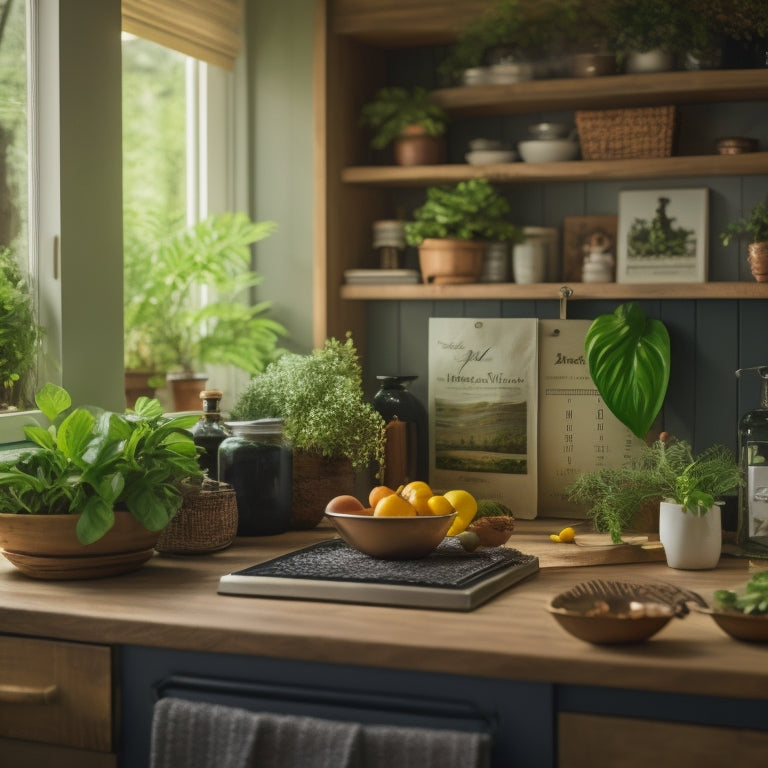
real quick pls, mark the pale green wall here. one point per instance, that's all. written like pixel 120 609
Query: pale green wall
pixel 280 40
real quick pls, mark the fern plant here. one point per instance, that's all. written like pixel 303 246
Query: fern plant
pixel 664 471
pixel 754 224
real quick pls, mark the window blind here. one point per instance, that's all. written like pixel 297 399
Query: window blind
pixel 205 29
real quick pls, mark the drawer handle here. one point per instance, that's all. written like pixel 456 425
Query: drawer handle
pixel 27 694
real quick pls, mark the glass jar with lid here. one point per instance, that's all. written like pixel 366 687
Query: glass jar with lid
pixel 209 433
pixel 257 460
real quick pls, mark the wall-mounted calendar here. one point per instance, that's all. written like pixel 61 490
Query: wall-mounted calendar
pixel 514 415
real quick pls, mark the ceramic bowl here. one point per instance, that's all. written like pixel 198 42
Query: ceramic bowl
pixel 548 150
pixel 490 156
pixel 392 538
pixel 740 626
pixel 617 612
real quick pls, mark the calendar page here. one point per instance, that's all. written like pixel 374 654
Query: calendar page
pixel 483 409
pixel 577 432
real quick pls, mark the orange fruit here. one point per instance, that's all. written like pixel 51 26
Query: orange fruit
pixel 377 493
pixel 394 506
pixel 418 494
pixel 345 504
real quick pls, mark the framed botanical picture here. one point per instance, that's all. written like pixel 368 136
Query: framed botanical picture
pixel 662 236
pixel 589 248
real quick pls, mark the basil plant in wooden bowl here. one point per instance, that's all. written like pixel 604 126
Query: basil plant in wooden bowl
pixel 91 495
pixel 453 226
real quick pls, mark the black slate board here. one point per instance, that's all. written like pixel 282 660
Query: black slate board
pixel 448 579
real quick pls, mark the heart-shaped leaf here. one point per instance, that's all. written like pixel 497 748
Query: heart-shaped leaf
pixel 629 360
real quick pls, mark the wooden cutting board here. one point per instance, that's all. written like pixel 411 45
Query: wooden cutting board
pixel 532 537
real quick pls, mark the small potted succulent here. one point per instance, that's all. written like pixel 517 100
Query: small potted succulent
pixel 409 119
pixel 93 492
pixel 755 226
pixel 453 226
pixel 333 430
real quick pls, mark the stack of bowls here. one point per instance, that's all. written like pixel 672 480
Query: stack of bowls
pixel 551 143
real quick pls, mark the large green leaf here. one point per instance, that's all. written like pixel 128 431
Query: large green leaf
pixel 629 361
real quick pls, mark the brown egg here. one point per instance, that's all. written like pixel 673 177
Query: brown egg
pixel 345 504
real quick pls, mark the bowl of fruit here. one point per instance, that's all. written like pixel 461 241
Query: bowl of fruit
pixel 403 524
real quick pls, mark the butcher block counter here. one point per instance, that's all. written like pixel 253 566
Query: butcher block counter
pixel 167 620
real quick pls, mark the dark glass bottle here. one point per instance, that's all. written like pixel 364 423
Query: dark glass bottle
pixel 257 461
pixel 210 432
pixel 753 459
pixel 406 432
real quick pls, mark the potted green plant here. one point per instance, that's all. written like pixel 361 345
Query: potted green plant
pixel 169 330
pixel 409 119
pixel 92 472
pixel 452 227
pixel 648 34
pixel 333 430
pixel 755 225
pixel 20 336
pixel 687 489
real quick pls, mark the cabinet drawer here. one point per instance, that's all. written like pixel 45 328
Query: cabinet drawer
pixel 56 692
pixel 598 741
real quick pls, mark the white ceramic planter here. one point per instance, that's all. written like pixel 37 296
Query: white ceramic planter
pixel 641 62
pixel 691 542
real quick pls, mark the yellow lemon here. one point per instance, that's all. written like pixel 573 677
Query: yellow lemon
pixel 393 506
pixel 418 494
pixel 567 535
pixel 465 505
pixel 439 505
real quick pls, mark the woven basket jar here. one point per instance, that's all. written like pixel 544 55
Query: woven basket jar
pixel 626 134
pixel 206 522
pixel 758 261
pixel 316 480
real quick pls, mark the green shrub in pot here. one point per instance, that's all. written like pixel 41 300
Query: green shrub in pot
pixel 91 462
pixel 664 471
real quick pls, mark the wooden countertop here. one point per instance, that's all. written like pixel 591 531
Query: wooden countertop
pixel 172 603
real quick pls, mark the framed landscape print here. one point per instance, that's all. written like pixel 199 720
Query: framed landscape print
pixel 585 238
pixel 662 236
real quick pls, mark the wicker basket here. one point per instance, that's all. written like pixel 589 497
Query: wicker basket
pixel 206 522
pixel 625 134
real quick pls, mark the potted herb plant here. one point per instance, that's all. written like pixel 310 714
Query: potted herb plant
pixel 409 119
pixel 334 432
pixel 755 225
pixel 20 336
pixel 92 494
pixel 648 34
pixel 452 227
pixel 170 331
pixel 688 490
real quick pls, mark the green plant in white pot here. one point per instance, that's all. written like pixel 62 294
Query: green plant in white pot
pixel 91 466
pixel 453 226
pixel 688 489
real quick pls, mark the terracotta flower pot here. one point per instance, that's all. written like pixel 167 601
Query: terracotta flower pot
pixel 451 261
pixel 758 261
pixel 416 147
pixel 186 389
pixel 47 547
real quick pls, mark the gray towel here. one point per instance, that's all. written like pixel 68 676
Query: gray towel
pixel 187 734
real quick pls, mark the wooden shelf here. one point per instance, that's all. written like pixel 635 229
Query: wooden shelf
pixel 577 170
pixel 545 291
pixel 606 92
